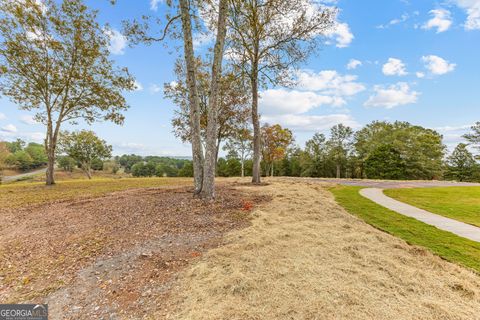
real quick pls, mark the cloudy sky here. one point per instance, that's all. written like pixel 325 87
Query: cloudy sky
pixel 415 61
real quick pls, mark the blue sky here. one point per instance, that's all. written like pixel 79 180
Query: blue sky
pixel 415 61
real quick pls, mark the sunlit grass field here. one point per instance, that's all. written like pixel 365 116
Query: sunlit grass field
pixel 33 193
pixel 444 244
pixel 459 203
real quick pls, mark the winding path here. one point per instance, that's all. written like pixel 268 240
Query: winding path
pixel 459 228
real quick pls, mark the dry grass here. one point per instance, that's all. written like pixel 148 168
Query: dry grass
pixel 304 257
pixel 28 194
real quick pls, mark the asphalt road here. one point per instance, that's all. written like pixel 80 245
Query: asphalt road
pixel 23 175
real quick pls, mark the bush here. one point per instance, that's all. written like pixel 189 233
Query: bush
pixel 111 166
pixel 97 165
pixel 66 163
pixel 162 170
pixel 23 160
pixel 186 170
pixel 143 170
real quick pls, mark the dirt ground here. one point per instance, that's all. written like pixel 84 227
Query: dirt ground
pixel 304 257
pixel 283 250
pixel 113 257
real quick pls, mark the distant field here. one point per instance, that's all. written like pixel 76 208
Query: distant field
pixel 459 203
pixel 31 193
pixel 445 244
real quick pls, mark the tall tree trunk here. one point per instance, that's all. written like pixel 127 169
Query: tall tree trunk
pixel 272 169
pixel 208 187
pixel 50 145
pixel 256 127
pixel 338 171
pixel 219 141
pixel 197 152
pixel 88 171
pixel 50 179
pixel 243 167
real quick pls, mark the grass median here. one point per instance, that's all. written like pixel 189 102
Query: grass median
pixel 442 243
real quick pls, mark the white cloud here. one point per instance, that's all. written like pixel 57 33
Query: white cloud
pixel 341 34
pixel 453 128
pixel 203 39
pixel 2 116
pixel 437 65
pixel 392 96
pixel 155 88
pixel 420 75
pixel 9 128
pixel 311 122
pixel 118 42
pixel 28 119
pixel 34 136
pixel 441 20
pixel 353 64
pixel 282 101
pixel 472 7
pixel 154 4
pixel 313 90
pixel 138 86
pixel 329 82
pixel 393 22
pixel 394 67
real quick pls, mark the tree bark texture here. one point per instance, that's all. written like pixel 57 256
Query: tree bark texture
pixel 208 188
pixel 197 151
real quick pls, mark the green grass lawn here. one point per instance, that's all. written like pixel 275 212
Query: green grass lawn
pixel 459 203
pixel 23 194
pixel 444 244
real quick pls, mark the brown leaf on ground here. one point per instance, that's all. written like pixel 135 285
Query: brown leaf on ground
pixel 112 255
pixel 304 257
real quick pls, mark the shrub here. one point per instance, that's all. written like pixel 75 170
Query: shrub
pixel 66 163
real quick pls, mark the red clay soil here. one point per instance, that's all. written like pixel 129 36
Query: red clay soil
pixel 112 257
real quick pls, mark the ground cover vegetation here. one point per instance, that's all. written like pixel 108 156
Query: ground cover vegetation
pixel 459 203
pixel 442 243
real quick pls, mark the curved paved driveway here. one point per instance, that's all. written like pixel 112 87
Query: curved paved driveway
pixel 459 228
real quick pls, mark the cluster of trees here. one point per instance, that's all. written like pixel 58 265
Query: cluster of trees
pixel 462 165
pixel 54 60
pixel 22 156
pixel 264 39
pixel 151 166
pixel 84 150
pixel 380 150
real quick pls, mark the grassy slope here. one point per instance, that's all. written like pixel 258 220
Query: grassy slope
pixel 460 203
pixel 445 244
pixel 22 194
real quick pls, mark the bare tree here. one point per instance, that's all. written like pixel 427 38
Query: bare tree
pixel 270 37
pixel 54 60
